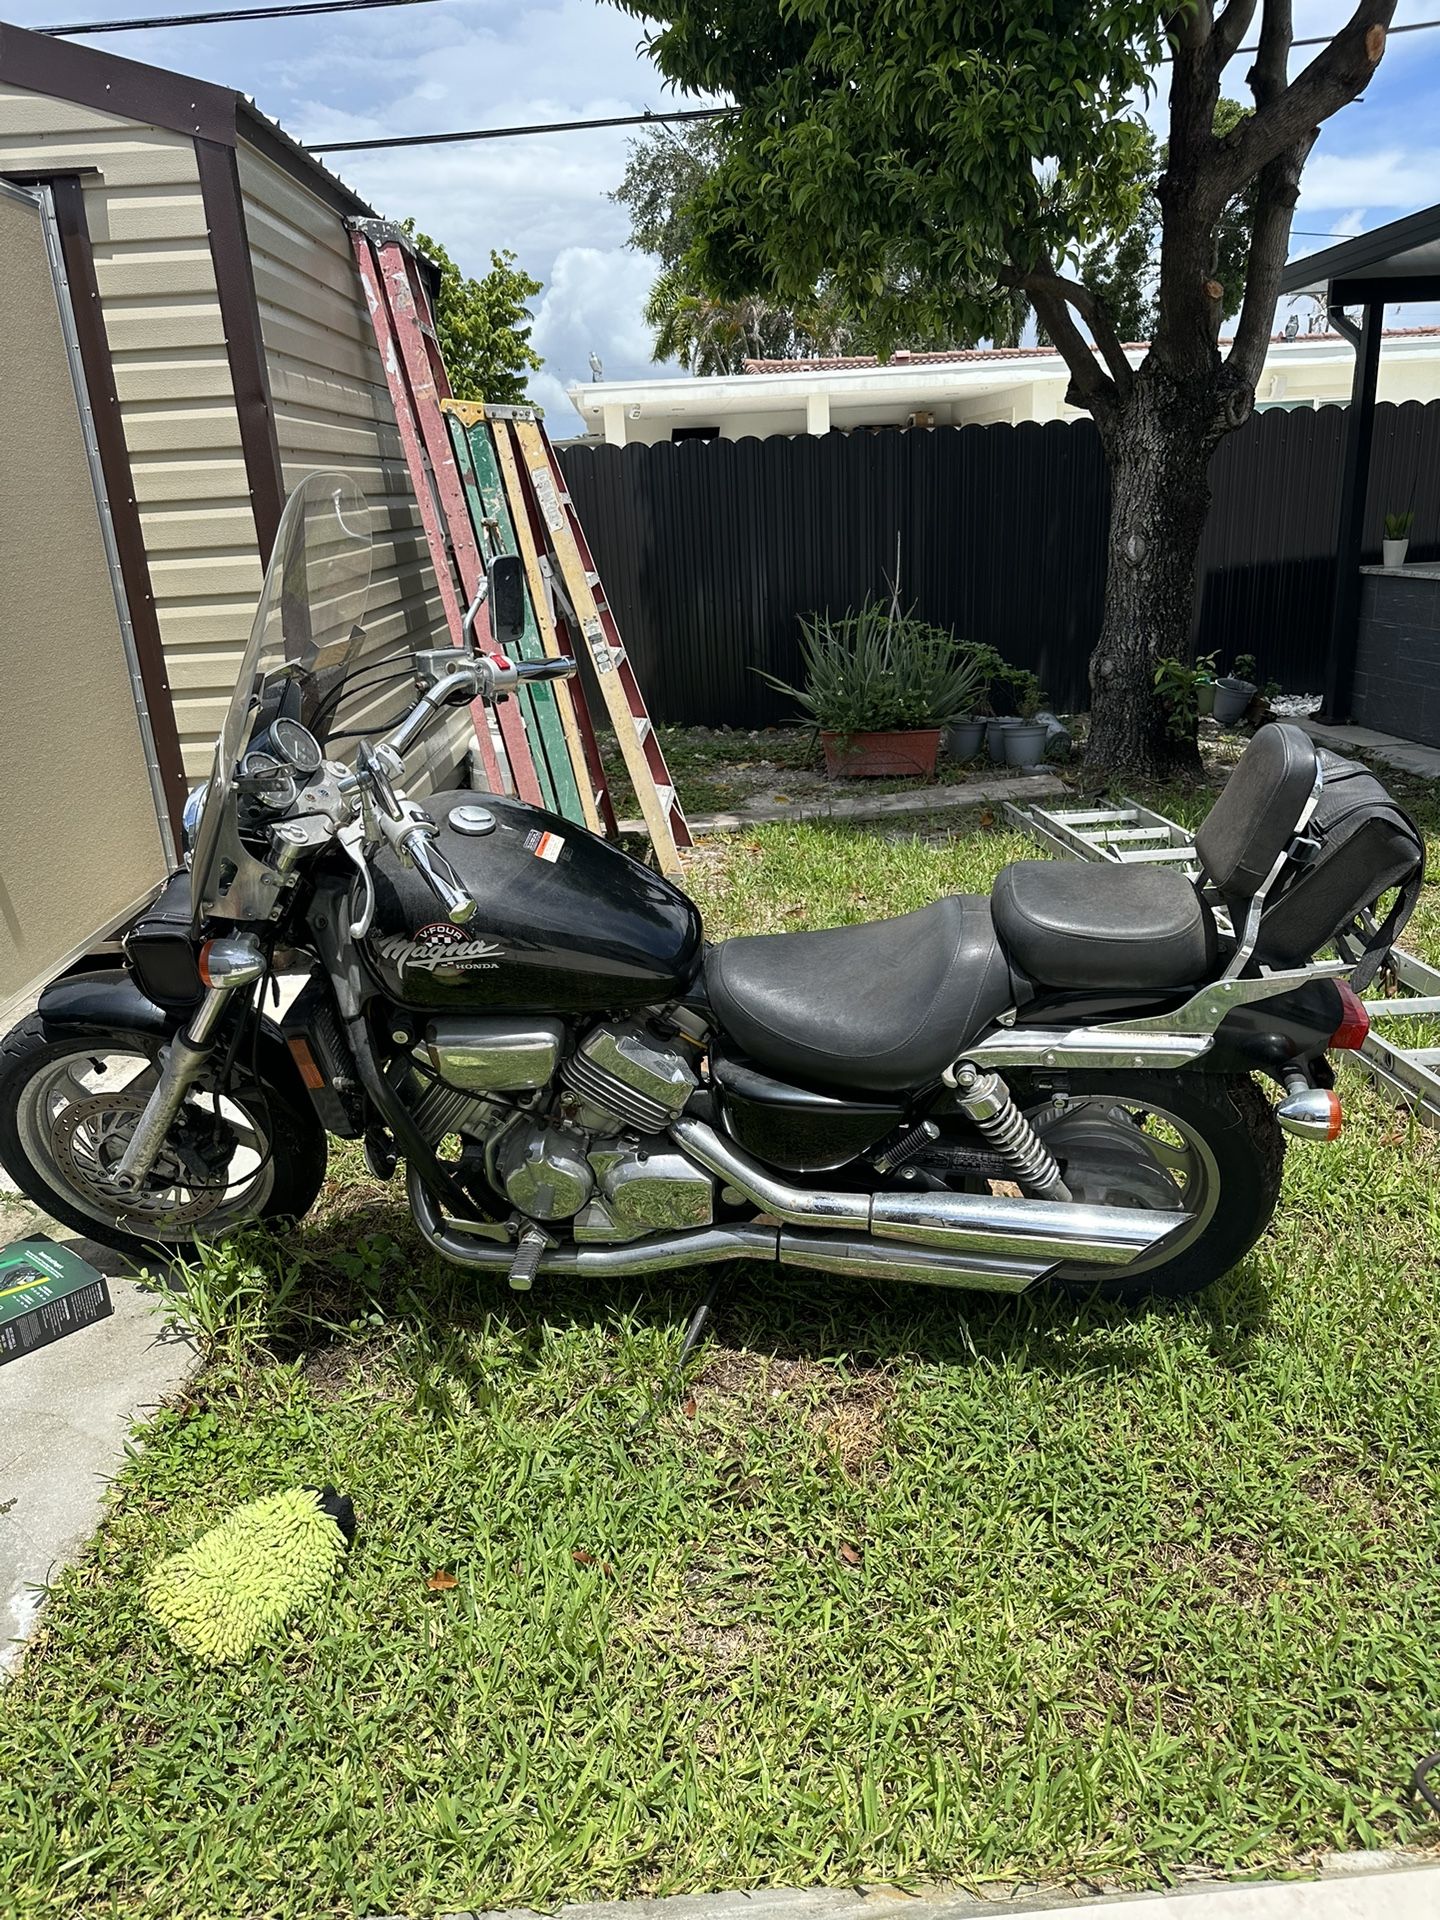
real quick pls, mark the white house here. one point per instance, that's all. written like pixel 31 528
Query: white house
pixel 974 387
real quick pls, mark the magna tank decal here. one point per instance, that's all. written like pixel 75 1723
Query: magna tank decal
pixel 441 949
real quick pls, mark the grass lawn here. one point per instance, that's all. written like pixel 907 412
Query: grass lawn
pixel 902 1585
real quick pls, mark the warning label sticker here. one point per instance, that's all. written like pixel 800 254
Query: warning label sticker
pixel 545 846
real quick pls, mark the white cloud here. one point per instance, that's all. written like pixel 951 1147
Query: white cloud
pixel 1385 177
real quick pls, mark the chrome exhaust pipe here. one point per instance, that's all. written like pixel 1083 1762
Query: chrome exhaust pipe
pixel 964 1224
pixel 836 1253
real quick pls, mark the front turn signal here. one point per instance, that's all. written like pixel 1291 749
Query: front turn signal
pixel 1311 1114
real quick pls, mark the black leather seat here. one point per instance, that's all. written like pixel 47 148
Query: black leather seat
pixel 1067 924
pixel 880 1007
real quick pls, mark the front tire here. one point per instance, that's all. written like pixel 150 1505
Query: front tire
pixel 1216 1139
pixel 68 1100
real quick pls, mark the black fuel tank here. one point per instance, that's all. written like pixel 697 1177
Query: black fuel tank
pixel 566 923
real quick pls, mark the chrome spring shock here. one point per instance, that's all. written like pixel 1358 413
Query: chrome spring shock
pixel 985 1099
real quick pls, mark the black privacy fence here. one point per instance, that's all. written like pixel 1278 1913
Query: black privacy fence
pixel 712 550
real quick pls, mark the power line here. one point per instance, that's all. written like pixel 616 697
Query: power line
pixel 510 133
pixel 230 13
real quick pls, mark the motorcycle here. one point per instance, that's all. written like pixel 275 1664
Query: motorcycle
pixel 1060 1083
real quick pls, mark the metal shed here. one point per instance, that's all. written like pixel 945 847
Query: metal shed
pixel 220 349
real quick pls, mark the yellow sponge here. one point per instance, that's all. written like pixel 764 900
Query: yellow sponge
pixel 228 1589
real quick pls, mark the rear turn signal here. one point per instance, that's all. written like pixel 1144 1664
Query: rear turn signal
pixel 1311 1114
pixel 1349 1036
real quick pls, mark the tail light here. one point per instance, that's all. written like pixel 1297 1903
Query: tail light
pixel 1349 1036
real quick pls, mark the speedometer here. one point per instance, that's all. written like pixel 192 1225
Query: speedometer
pixel 296 746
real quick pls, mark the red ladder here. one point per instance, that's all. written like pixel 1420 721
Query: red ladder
pixel 400 312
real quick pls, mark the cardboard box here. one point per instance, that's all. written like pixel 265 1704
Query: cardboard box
pixel 46 1292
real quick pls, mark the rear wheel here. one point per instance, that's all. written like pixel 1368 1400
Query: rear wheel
pixel 1184 1143
pixel 69 1102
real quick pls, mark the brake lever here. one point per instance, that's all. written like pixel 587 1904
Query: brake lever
pixel 352 838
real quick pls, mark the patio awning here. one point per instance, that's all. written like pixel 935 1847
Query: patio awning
pixel 1397 262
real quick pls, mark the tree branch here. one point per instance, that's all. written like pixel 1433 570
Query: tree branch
pixel 1268 75
pixel 1334 77
pixel 1043 284
pixel 1269 243
pixel 1230 29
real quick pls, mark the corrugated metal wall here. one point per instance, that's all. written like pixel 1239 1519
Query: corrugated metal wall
pixel 712 550
pixel 332 409
pixel 162 319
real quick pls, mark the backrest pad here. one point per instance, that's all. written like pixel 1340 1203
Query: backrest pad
pixel 1253 821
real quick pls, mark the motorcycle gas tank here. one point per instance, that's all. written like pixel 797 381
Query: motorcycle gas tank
pixel 565 923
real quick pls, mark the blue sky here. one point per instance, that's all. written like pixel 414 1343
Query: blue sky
pixel 466 63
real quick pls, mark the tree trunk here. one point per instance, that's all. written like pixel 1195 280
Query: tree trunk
pixel 1159 440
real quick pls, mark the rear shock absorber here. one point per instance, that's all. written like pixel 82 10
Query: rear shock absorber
pixel 985 1099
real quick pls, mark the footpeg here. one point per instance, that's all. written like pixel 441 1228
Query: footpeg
pixel 526 1264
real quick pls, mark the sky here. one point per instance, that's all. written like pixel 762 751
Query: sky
pixel 475 63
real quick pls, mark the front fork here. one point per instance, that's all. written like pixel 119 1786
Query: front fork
pixel 225 966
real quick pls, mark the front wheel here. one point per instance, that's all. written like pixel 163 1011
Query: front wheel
pixel 1179 1142
pixel 69 1102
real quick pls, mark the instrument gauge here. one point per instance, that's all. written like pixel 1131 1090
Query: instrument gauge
pixel 296 746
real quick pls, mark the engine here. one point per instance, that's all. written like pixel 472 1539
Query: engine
pixel 577 1137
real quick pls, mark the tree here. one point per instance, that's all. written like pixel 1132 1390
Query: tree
pixel 1124 272
pixel 930 159
pixel 708 332
pixel 484 325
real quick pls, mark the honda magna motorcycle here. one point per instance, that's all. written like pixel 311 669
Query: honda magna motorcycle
pixel 1062 1082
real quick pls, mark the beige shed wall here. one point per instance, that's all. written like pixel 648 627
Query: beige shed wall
pixel 162 319
pixel 332 406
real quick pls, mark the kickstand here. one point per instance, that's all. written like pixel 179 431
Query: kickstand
pixel 675 1386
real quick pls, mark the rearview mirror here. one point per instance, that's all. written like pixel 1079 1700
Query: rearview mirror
pixel 507 599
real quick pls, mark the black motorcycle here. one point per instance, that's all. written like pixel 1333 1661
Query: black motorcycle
pixel 1057 1083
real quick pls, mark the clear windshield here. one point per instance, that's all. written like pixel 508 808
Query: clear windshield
pixel 304 641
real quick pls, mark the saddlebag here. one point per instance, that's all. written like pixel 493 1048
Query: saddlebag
pixel 1357 847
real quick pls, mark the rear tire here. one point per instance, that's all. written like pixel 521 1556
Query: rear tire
pixel 1237 1145
pixel 33 1057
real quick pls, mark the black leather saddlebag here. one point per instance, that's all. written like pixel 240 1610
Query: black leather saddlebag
pixel 1357 847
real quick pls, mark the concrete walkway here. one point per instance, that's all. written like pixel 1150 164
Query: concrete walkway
pixel 1362 1886
pixel 1408 755
pixel 879 806
pixel 66 1413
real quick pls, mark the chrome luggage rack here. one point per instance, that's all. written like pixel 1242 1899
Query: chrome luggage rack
pixel 1129 834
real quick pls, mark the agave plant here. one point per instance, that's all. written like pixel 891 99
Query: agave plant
pixel 881 671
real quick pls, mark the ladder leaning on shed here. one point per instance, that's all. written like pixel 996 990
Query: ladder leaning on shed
pixel 1131 834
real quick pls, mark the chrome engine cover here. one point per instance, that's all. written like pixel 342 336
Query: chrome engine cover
pixel 493 1053
pixel 649 1186
pixel 624 1075
pixel 544 1170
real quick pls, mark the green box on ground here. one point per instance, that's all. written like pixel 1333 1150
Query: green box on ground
pixel 46 1292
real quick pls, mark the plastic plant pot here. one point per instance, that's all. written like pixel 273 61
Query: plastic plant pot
pixel 995 732
pixel 1232 699
pixel 872 756
pixel 1025 743
pixel 964 739
pixel 1393 552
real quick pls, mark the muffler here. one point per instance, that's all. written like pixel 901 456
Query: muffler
pixel 834 1253
pixel 1046 1232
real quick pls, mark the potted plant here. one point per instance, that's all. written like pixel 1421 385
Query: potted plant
pixel 1235 690
pixel 1025 741
pixel 1205 675
pixel 880 686
pixel 1396 543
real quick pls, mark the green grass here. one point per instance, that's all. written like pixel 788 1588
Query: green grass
pixel 901 1585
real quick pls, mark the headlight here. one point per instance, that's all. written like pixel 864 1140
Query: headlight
pixel 190 814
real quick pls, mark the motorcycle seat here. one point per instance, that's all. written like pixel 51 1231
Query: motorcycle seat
pixel 1067 924
pixel 881 1007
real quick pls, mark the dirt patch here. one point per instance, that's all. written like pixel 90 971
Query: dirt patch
pixel 847 1413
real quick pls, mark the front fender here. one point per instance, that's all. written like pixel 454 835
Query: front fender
pixel 100 1003
pixel 110 1002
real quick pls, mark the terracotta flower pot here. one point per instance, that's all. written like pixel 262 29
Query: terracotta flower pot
pixel 861 756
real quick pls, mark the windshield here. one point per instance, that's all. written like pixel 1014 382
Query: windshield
pixel 305 638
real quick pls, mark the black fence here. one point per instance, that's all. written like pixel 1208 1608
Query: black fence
pixel 711 550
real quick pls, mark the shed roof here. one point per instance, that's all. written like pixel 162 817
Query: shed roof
pixel 159 97
pixel 1400 261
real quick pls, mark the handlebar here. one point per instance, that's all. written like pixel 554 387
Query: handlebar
pixel 438 874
